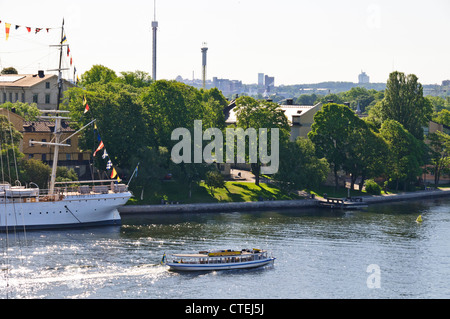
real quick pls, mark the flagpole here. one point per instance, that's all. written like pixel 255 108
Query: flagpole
pixel 133 174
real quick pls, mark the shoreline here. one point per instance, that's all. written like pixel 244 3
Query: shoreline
pixel 265 205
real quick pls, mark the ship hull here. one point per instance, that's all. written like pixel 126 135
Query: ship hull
pixel 72 211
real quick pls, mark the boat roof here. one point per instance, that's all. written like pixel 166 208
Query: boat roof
pixel 206 254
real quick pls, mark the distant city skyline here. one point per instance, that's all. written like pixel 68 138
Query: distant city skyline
pixel 294 41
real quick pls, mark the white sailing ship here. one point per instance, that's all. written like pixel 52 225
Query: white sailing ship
pixel 23 208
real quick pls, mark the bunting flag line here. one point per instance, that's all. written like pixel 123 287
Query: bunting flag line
pixel 105 154
pixel 36 31
pixel 113 173
pixel 18 26
pixel 109 165
pixel 7 28
pixel 99 148
pixel 86 106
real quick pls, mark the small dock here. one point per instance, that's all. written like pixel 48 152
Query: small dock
pixel 341 203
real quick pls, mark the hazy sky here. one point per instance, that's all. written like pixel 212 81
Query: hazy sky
pixel 295 41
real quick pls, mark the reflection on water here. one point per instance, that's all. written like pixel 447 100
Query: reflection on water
pixel 320 254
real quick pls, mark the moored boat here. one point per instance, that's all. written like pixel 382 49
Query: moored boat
pixel 219 260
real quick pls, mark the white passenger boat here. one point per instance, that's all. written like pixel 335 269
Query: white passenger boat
pixel 219 260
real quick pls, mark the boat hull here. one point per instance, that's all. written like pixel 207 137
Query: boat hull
pixel 72 211
pixel 224 266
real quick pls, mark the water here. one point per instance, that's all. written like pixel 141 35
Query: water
pixel 320 254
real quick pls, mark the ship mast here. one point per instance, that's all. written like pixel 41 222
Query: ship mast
pixel 58 129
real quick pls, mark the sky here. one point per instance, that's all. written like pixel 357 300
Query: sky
pixel 296 41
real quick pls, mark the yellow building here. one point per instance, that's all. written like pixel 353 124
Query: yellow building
pixel 42 131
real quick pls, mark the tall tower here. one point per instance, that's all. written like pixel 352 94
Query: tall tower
pixel 154 29
pixel 204 49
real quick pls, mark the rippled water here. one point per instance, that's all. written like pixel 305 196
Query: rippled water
pixel 320 254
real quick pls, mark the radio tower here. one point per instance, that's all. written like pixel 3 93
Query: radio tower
pixel 154 29
pixel 204 49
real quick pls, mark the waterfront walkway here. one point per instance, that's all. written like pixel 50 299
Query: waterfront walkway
pixel 276 204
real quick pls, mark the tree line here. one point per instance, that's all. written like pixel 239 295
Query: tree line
pixel 135 117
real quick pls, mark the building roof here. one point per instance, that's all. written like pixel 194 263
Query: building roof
pixel 23 80
pixel 289 111
pixel 45 126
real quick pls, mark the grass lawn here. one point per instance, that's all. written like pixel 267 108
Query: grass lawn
pixel 172 191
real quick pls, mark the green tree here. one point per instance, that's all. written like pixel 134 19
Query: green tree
pixel 64 174
pixel 9 70
pixel 331 132
pixel 214 179
pixel 29 112
pixel 35 171
pixel 171 105
pixel 306 99
pixel 442 117
pixel 365 155
pixel 405 156
pixel 438 103
pixel 121 121
pixel 299 166
pixel 439 146
pixel 98 74
pixel 136 79
pixel 404 102
pixel 251 113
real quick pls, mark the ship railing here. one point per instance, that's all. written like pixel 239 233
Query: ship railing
pixel 79 188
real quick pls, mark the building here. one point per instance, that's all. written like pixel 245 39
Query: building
pixel 69 156
pixel 300 117
pixel 269 83
pixel 42 131
pixel 363 78
pixel 40 88
pixel 228 87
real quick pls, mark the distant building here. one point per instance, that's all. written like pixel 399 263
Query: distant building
pixel 363 78
pixel 40 88
pixel 260 80
pixel 228 87
pixel 269 83
pixel 300 117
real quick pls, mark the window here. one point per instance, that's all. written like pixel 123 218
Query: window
pixel 44 140
pixel 35 98
pixel 23 97
pixel 30 156
pixel 47 85
pixel 10 97
pixel 17 97
pixel 47 98
pixel 68 157
pixel 44 157
pixel 4 97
